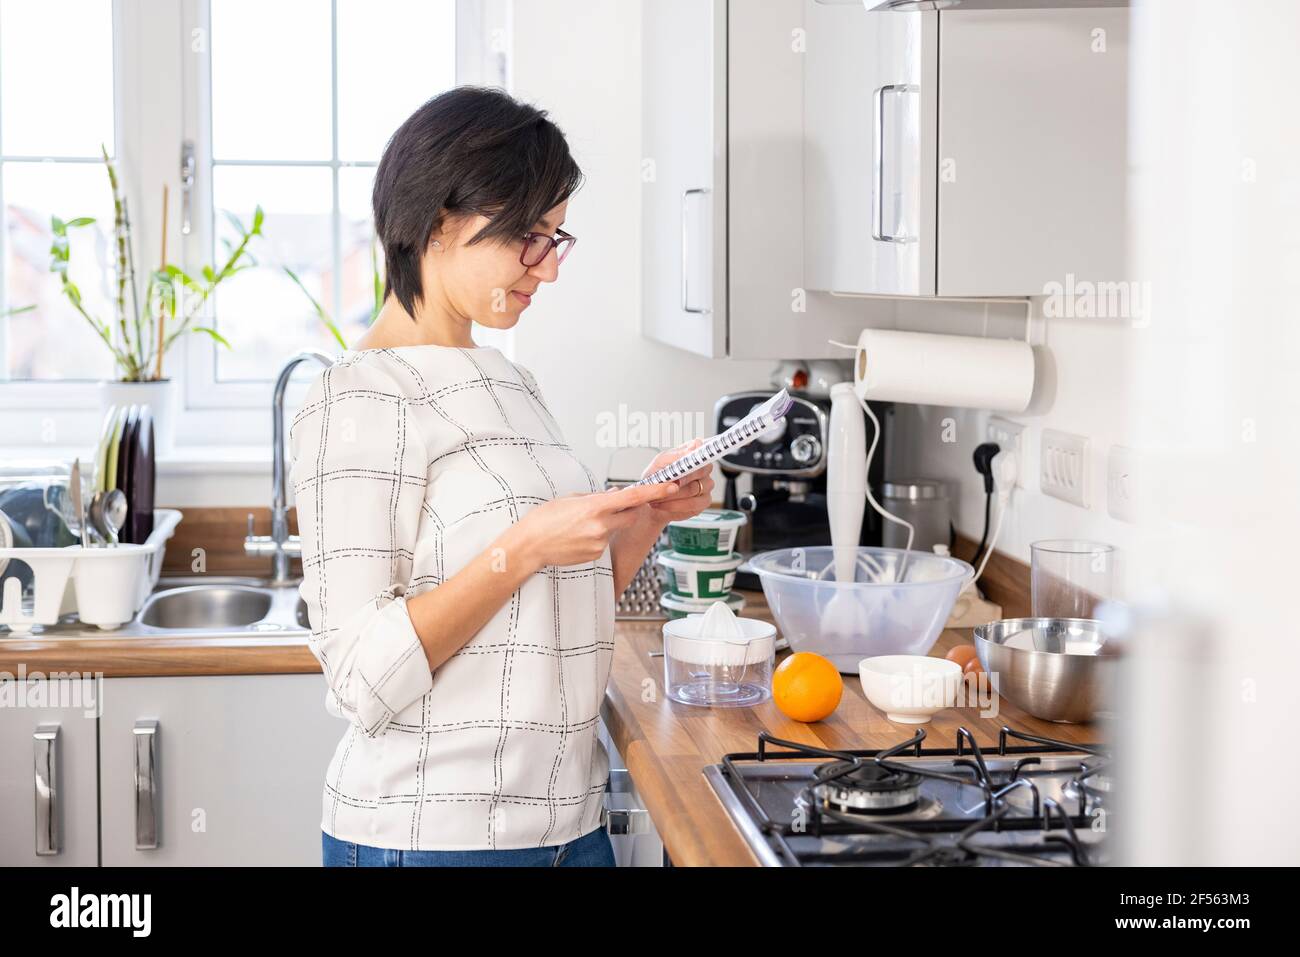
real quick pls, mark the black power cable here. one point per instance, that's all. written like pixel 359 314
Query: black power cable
pixel 983 458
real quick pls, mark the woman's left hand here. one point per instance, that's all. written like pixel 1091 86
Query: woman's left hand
pixel 631 544
pixel 696 488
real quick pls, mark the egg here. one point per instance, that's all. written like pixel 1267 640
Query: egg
pixel 962 654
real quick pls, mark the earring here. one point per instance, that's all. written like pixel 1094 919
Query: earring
pixel 436 243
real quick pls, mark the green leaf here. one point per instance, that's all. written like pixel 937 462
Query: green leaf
pixel 18 311
pixel 176 272
pixel 58 226
pixel 320 310
pixel 81 221
pixel 235 222
pixel 208 274
pixel 258 216
pixel 209 331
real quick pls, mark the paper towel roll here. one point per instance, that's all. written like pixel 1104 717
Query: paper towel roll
pixel 963 371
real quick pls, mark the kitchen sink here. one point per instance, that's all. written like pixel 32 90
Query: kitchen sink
pixel 207 606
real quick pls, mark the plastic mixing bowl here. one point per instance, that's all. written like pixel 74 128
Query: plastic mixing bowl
pixel 890 617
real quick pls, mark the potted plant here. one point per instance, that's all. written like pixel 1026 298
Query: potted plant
pixel 141 333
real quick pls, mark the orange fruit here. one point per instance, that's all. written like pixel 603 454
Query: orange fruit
pixel 807 687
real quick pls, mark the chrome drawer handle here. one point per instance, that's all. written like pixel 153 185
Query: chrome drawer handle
pixel 46 741
pixel 146 784
pixel 629 820
pixel 620 782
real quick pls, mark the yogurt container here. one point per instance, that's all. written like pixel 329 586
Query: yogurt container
pixel 692 578
pixel 710 536
pixel 675 607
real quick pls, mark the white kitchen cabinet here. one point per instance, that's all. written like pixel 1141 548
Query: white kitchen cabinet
pixel 218 770
pixel 722 266
pixel 684 175
pixel 964 153
pixel 48 808
pixel 641 846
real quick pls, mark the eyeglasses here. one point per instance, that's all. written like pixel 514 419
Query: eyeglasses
pixel 537 246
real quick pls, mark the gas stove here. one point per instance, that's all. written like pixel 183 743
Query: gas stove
pixel 1030 801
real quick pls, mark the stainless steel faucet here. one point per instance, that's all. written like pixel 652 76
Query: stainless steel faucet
pixel 280 545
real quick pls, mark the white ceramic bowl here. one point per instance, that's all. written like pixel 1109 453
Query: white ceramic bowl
pixel 910 689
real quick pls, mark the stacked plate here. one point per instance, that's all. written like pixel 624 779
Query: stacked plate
pixel 124 459
pixel 700 567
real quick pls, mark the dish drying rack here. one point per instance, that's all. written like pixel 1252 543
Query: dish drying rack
pixel 104 586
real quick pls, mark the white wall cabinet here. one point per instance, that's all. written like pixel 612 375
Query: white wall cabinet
pixel 214 770
pixel 684 176
pixel 48 808
pixel 722 267
pixel 964 153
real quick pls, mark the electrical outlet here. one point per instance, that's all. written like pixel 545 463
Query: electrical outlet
pixel 1010 436
pixel 1063 467
pixel 1121 483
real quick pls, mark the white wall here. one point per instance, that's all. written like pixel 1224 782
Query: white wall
pixel 581 61
pixel 1216 165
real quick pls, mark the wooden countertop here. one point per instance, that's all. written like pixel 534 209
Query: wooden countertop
pixel 258 653
pixel 665 745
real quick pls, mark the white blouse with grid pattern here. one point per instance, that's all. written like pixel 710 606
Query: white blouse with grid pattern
pixel 407 463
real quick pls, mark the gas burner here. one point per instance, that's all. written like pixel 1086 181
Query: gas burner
pixel 852 787
pixel 1027 800
pixel 1096 785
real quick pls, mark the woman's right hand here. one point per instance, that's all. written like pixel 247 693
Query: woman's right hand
pixel 574 529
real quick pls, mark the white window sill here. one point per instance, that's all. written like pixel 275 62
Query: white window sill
pixel 186 460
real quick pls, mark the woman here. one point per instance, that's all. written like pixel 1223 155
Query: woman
pixel 460 565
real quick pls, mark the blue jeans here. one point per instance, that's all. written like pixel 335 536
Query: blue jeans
pixel 590 850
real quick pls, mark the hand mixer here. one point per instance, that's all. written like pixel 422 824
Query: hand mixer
pixel 847 495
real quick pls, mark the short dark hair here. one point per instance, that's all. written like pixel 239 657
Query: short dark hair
pixel 471 150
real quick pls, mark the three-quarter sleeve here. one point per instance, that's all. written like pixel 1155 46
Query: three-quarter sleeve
pixel 359 475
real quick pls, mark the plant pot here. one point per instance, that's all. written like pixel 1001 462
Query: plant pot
pixel 159 395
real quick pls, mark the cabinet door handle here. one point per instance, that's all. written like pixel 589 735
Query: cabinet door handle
pixel 146 784
pixel 46 740
pixel 878 162
pixel 686 255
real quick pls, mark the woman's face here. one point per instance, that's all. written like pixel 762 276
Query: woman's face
pixel 486 283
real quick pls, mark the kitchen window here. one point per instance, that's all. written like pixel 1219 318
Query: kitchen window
pixel 285 104
pixel 56 111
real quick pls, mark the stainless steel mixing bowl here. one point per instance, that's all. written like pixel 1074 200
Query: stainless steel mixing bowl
pixel 1042 677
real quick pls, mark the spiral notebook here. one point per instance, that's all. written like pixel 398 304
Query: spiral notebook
pixel 738 436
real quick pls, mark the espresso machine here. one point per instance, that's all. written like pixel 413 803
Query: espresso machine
pixel 785 501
